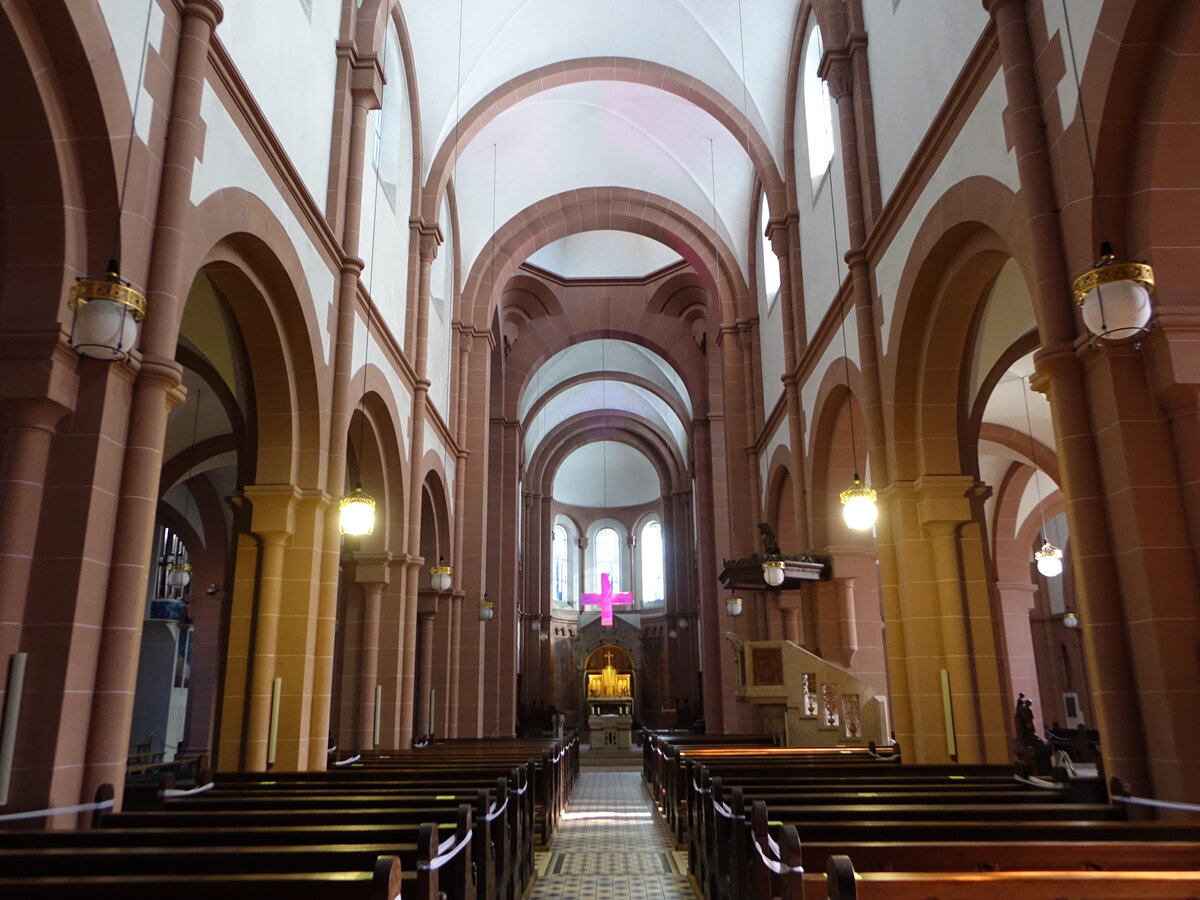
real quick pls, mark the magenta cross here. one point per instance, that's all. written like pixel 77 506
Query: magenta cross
pixel 606 599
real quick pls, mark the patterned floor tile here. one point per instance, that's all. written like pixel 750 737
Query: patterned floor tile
pixel 611 845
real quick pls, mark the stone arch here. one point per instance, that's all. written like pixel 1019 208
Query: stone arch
pixel 436 527
pixel 375 457
pixel 247 254
pixel 59 172
pixel 529 355
pixel 951 266
pixel 636 71
pixel 831 441
pixel 586 428
pixel 590 209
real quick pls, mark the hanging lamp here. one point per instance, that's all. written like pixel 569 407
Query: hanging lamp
pixel 106 311
pixel 1113 295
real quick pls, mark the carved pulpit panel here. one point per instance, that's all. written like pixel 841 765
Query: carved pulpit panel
pixel 767 663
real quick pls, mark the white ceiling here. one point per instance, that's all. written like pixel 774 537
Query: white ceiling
pixel 606 474
pixel 604 254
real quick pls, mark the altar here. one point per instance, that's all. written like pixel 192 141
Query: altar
pixel 610 707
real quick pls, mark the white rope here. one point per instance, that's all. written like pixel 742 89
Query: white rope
pixel 520 791
pixel 493 813
pixel 1161 804
pixel 1041 784
pixel 444 856
pixel 722 810
pixel 346 762
pixel 779 868
pixel 60 810
pixel 178 792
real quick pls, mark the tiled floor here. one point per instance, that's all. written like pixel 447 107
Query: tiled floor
pixel 611 845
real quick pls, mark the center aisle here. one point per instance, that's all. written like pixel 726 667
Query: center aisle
pixel 611 845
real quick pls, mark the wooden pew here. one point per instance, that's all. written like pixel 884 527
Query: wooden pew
pixel 381 882
pixel 780 855
pixel 843 883
pixel 721 850
pixel 456 879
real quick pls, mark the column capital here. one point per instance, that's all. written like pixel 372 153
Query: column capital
pixel 274 508
pixel 429 238
pixel 944 499
pixel 210 11
pixel 373 569
pixel 835 70
pixel 366 80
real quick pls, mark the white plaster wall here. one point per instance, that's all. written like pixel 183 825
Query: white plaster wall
pixel 1007 316
pixel 387 197
pixel 778 439
pixel 833 351
pixel 433 442
pixel 400 391
pixel 914 43
pixel 289 64
pixel 127 27
pixel 1084 14
pixel 979 149
pixel 228 161
pixel 822 264
pixel 604 254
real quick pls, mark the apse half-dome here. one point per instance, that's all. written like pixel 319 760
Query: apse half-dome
pixel 606 474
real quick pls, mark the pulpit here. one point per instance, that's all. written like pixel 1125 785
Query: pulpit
pixel 610 707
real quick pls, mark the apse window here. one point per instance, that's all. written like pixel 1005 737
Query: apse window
pixel 650 546
pixel 562 567
pixel 606 558
pixel 818 114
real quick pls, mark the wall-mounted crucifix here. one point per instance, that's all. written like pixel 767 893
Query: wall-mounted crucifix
pixel 606 599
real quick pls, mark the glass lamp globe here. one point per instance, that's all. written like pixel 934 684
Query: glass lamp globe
pixel 773 572
pixel 733 606
pixel 486 611
pixel 357 513
pixel 1070 620
pixel 439 576
pixel 107 312
pixel 1049 560
pixel 859 509
pixel 1114 297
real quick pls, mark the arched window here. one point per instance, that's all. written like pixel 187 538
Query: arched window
pixel 650 547
pixel 562 567
pixel 606 557
pixel 818 115
pixel 768 261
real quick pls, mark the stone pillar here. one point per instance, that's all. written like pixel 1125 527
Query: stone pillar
pixel 847 617
pixel 366 93
pixel 155 391
pixel 1059 373
pixel 372 572
pixel 964 618
pixel 274 522
pixel 30 426
pixel 426 682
